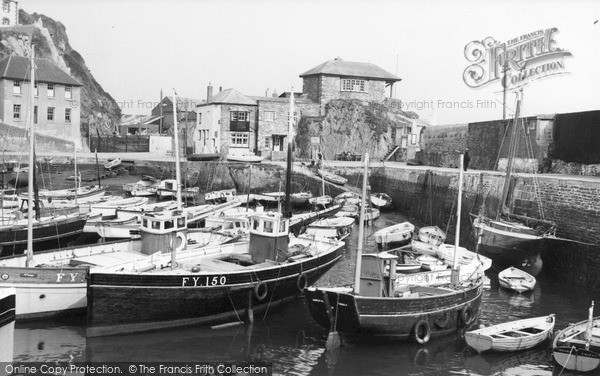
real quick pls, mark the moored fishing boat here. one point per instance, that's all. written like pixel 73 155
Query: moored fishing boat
pixel 216 285
pixel 512 336
pixel 377 306
pixel 577 347
pixel 516 279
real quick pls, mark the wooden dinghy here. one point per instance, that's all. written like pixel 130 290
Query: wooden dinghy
pixel 332 178
pixel 381 200
pixel 398 233
pixel 432 235
pixel 577 347
pixel 512 336
pixel 516 279
pixel 112 163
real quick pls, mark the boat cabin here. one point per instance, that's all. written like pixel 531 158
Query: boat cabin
pixel 374 280
pixel 163 231
pixel 269 237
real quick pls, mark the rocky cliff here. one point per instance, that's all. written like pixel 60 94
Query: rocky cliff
pixel 99 110
pixel 353 126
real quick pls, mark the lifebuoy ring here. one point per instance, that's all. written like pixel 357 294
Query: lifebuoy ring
pixel 443 321
pixel 301 282
pixel 222 196
pixel 179 242
pixel 260 290
pixel 422 332
pixel 466 315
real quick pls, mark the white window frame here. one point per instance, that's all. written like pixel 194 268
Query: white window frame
pixel 240 139
pixel 50 114
pixel 50 90
pixel 6 6
pixel 354 85
pixel 269 116
pixel 16 111
pixel 67 115
pixel 240 116
pixel 35 89
pixel 68 92
pixel 17 87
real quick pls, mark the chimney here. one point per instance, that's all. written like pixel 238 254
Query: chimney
pixel 267 93
pixel 220 89
pixel 209 93
pixel 275 93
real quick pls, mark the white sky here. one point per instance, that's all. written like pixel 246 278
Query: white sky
pixel 136 47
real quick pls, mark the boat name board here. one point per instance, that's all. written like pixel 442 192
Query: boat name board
pixel 204 281
pixel 60 277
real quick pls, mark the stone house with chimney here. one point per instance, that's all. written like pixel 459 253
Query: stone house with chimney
pixel 186 110
pixel 339 79
pixel 57 98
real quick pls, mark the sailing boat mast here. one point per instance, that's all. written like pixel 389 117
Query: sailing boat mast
pixel 512 146
pixel 176 146
pixel 30 171
pixel 458 213
pixel 361 230
pixel 287 210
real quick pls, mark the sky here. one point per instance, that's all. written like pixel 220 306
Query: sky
pixel 136 48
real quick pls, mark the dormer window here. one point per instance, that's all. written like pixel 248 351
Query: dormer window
pixel 351 84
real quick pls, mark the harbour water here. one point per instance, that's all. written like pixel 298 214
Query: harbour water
pixel 295 344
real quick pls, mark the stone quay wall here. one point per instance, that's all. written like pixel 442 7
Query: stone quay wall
pixel 429 196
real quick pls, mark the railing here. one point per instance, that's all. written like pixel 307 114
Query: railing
pixel 118 143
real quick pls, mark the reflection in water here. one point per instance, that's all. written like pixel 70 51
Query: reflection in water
pixel 295 344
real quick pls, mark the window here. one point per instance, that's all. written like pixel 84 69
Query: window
pixel 35 114
pixel 50 91
pixel 35 89
pixel 267 142
pixel 50 113
pixel 68 94
pixel 295 116
pixel 239 139
pixel 240 116
pixel 269 116
pixel 67 115
pixel 353 85
pixel 5 21
pixel 17 87
pixel 199 118
pixel 6 6
pixel 17 111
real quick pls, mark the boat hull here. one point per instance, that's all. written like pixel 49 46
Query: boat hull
pixel 569 347
pixel 128 303
pixel 518 335
pixel 14 241
pixel 392 317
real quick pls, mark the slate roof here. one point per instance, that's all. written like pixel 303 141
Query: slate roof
pixel 339 67
pixel 232 96
pixel 17 68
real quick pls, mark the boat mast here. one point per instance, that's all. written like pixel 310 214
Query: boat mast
pixel 30 171
pixel 176 139
pixel 589 327
pixel 287 210
pixel 511 154
pixel 361 230
pixel 458 212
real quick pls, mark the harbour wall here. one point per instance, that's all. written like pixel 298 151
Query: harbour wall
pixel 429 195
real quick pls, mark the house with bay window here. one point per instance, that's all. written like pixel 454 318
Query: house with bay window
pixel 226 124
pixel 57 102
